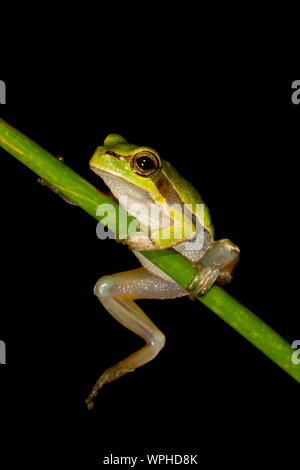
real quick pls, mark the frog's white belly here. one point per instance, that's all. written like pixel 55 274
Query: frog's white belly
pixel 193 257
pixel 137 203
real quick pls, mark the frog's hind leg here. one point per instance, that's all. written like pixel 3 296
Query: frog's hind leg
pixel 117 293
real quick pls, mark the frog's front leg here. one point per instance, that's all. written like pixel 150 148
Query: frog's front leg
pixel 117 293
pixel 217 265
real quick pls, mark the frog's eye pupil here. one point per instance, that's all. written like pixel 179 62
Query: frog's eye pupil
pixel 145 163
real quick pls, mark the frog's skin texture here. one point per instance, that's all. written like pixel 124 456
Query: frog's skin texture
pixel 141 175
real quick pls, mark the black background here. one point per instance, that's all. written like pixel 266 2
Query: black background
pixel 236 139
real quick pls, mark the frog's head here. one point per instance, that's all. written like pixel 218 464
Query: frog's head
pixel 126 167
pixel 139 174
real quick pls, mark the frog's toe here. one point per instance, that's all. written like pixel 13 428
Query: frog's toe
pixel 89 403
pixel 90 399
pixel 203 280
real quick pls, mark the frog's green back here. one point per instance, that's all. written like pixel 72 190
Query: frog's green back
pixel 186 191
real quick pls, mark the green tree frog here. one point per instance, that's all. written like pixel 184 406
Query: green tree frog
pixel 141 175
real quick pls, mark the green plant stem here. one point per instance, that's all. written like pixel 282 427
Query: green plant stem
pixel 89 198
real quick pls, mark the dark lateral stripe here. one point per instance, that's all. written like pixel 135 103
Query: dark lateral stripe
pixel 117 155
pixel 166 190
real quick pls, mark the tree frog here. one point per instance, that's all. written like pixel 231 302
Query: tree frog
pixel 141 175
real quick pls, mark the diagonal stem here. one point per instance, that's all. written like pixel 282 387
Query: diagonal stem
pixel 89 198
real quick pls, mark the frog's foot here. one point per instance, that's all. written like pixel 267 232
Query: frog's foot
pixel 90 399
pixel 202 281
pixel 94 392
pixel 111 374
pixel 217 265
pixel 44 182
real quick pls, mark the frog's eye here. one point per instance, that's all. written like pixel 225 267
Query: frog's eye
pixel 145 163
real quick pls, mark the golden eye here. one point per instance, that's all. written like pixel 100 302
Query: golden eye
pixel 145 163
